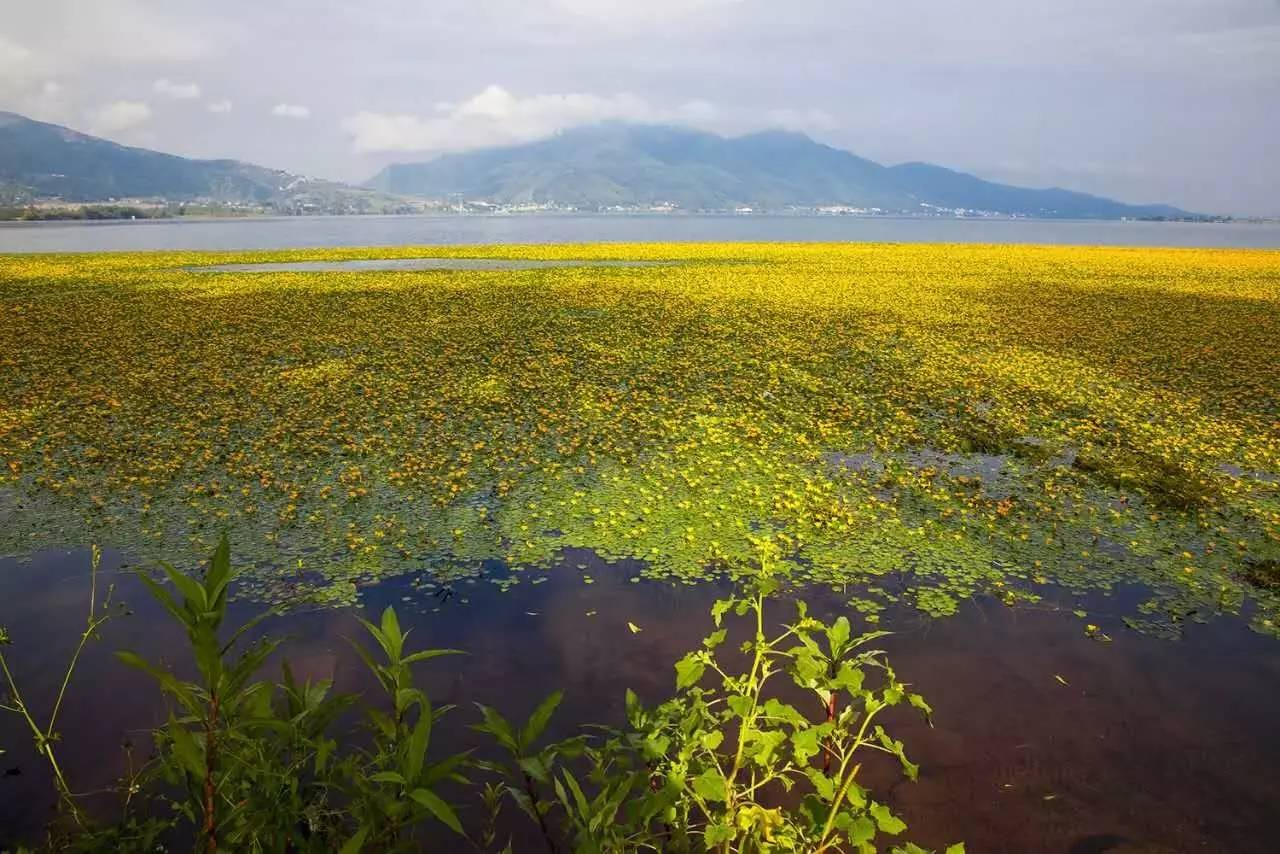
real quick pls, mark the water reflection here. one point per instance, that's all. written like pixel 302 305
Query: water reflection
pixel 1151 745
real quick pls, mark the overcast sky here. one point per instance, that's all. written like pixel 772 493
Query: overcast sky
pixel 1145 100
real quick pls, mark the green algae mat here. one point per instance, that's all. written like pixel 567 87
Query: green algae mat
pixel 912 424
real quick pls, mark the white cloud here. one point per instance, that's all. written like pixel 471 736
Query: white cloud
pixel 19 67
pixel 618 13
pixel 177 91
pixel 119 115
pixel 497 117
pixel 222 105
pixel 291 111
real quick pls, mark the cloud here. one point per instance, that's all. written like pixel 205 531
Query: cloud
pixel 222 105
pixel 291 111
pixel 177 91
pixel 620 13
pixel 497 117
pixel 120 115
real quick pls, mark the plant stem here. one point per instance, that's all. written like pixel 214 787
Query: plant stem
pixel 749 720
pixel 534 802
pixel 210 789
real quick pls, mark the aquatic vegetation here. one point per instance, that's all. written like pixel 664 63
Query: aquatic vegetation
pixel 914 424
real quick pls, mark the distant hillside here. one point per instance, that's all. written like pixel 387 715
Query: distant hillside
pixel 628 165
pixel 46 161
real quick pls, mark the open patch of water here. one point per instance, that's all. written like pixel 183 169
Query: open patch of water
pixel 1150 744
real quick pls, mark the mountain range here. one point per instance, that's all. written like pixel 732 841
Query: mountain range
pixel 627 165
pixel 41 161
pixel 603 166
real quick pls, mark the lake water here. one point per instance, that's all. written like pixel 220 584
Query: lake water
pixel 294 232
pixel 1150 745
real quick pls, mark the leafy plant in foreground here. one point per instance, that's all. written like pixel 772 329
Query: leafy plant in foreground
pixel 727 764
pixel 46 735
pixel 259 764
pixel 393 784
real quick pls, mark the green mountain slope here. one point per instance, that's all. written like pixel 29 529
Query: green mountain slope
pixel 620 164
pixel 46 161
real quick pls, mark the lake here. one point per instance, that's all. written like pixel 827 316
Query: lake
pixel 294 232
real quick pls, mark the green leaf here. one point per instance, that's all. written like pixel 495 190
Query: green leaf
pixel 710 786
pixel 496 725
pixel 584 809
pixel 688 671
pixel 416 749
pixel 824 786
pixel 444 768
pixel 838 636
pixel 635 630
pixel 719 608
pixel 849 678
pixel 438 808
pixel 219 577
pixel 919 702
pixel 193 594
pixel 958 848
pixel 739 705
pixel 634 709
pixel 182 691
pixel 860 830
pixel 805 743
pixel 532 729
pixel 388 777
pixel 887 821
pixel 355 844
pixel 427 654
pixel 717 834
pixel 394 638
pixel 780 712
pixel 186 750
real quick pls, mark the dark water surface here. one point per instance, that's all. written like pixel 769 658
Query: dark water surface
pixel 1152 745
pixel 295 232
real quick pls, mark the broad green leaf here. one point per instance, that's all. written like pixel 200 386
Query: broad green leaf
pixel 688 671
pixel 710 786
pixel 717 834
pixel 886 820
pixel 805 743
